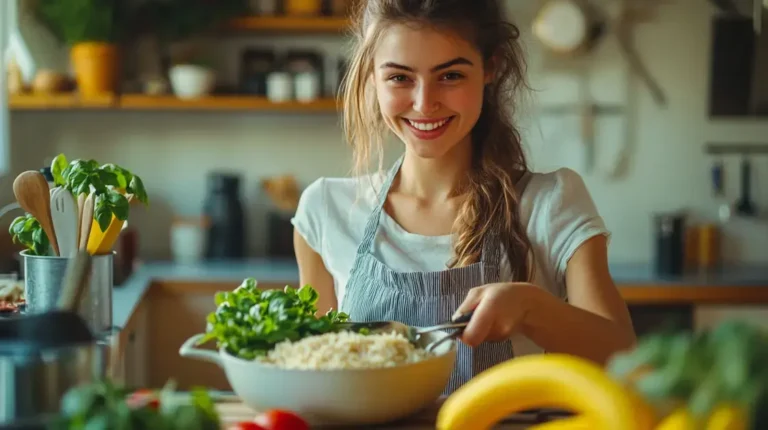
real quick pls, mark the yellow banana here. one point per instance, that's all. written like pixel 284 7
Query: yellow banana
pixel 723 417
pixel 578 422
pixel 679 419
pixel 549 380
pixel 728 417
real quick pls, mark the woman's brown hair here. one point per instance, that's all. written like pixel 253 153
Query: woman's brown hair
pixel 498 157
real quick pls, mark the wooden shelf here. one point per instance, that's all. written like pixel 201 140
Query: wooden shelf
pixel 167 103
pixel 290 24
pixel 32 101
pixel 222 103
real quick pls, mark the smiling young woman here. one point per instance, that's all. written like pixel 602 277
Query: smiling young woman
pixel 459 222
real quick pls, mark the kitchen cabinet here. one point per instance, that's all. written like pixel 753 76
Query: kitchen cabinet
pixel 168 314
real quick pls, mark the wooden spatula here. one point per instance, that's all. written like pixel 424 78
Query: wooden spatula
pixel 34 196
pixel 86 220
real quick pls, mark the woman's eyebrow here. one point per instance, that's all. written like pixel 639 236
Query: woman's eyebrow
pixel 441 66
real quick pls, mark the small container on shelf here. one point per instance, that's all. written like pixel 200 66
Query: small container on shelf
pixel 303 7
pixel 255 68
pixel 264 7
pixel 279 87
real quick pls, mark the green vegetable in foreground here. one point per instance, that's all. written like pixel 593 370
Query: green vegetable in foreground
pixel 107 405
pixel 249 322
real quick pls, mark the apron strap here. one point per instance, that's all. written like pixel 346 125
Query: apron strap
pixel 366 245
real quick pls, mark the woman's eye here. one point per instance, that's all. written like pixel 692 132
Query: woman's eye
pixel 452 76
pixel 398 78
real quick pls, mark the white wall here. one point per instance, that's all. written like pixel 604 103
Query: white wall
pixel 667 170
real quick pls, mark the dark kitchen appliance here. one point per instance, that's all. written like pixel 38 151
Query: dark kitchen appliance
pixel 256 65
pixel 224 211
pixel 670 243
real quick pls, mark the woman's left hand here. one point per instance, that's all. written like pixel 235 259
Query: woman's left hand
pixel 499 311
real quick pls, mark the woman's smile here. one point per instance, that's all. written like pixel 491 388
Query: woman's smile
pixel 428 129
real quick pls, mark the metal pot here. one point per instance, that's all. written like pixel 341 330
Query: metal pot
pixel 32 383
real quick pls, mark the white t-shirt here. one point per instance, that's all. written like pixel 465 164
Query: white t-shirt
pixel 556 208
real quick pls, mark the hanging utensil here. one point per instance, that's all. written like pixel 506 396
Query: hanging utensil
pixel 34 196
pixel 745 206
pixel 724 210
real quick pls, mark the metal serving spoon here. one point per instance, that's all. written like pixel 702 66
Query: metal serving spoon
pixel 411 333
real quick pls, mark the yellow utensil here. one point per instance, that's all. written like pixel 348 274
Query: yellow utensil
pixel 101 242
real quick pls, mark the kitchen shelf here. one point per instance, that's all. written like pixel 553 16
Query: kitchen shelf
pixel 166 103
pixel 146 102
pixel 31 101
pixel 290 24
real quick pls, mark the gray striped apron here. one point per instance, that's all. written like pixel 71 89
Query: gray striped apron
pixel 375 292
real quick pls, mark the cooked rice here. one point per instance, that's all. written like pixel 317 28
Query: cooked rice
pixel 346 350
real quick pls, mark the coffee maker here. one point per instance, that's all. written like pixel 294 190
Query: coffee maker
pixel 223 209
pixel 670 243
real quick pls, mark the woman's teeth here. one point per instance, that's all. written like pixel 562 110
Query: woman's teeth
pixel 428 126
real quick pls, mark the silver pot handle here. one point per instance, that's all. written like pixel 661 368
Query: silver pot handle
pixel 188 350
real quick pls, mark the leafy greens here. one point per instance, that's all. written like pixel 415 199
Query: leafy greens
pixel 249 322
pixel 105 405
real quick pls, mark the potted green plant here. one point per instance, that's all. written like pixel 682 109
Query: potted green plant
pixel 177 23
pixel 92 30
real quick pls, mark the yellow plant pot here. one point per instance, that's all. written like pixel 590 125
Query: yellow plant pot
pixel 95 65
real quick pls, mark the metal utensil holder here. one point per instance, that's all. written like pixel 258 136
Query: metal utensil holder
pixel 43 278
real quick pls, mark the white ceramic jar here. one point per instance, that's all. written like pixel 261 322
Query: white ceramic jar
pixel 279 87
pixel 307 86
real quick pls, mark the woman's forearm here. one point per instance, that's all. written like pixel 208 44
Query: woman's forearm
pixel 560 327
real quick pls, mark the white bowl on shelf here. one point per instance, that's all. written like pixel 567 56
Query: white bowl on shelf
pixel 190 81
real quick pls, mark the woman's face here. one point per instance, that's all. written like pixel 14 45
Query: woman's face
pixel 429 86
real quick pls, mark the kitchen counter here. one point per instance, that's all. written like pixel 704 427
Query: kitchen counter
pixel 637 282
pixel 232 412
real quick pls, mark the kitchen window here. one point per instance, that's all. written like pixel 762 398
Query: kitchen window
pixel 7 21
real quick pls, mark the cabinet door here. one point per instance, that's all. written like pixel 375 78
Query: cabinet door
pixel 708 316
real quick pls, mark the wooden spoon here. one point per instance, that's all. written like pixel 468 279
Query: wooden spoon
pixel 80 203
pixel 86 220
pixel 34 196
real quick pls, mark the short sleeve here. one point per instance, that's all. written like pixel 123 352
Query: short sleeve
pixel 309 214
pixel 573 218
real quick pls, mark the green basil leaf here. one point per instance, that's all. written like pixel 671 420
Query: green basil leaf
pixel 120 206
pixel 83 188
pixel 108 178
pixel 58 166
pixel 136 187
pixel 102 214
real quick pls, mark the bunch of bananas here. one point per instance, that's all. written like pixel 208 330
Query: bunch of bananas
pixel 711 380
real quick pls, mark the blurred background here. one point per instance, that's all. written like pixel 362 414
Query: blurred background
pixel 215 102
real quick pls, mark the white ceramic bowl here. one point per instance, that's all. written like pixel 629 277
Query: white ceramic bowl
pixel 190 81
pixel 337 397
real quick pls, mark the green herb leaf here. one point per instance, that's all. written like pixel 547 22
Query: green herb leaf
pixel 102 213
pixel 248 322
pixel 58 166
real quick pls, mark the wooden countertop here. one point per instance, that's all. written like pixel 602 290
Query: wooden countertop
pixel 233 412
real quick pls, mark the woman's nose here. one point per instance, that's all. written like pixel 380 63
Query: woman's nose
pixel 425 100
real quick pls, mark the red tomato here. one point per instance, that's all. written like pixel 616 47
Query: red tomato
pixel 277 419
pixel 247 425
pixel 144 397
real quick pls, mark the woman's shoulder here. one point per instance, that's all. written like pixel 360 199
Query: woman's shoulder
pixel 339 191
pixel 560 187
